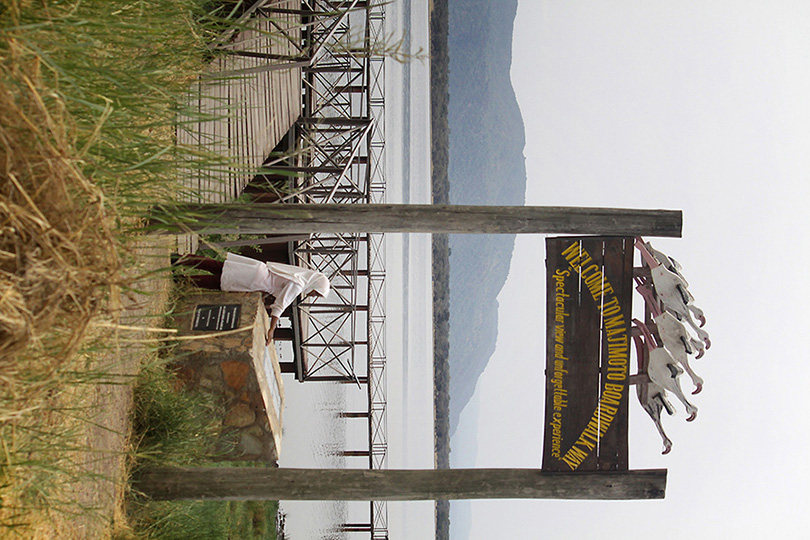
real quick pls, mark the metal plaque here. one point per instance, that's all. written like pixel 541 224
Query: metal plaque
pixel 216 317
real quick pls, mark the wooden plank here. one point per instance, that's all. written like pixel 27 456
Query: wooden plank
pixel 589 303
pixel 572 360
pixel 256 131
pixel 221 146
pixel 207 138
pixel 242 142
pixel 309 218
pixel 618 257
pixel 243 483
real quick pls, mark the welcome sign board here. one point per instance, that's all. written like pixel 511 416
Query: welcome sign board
pixel 588 314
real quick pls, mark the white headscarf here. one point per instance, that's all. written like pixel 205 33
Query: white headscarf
pixel 319 284
pixel 309 280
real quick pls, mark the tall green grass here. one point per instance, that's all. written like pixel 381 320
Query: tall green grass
pixel 173 426
pixel 209 520
pixel 120 70
pixel 120 74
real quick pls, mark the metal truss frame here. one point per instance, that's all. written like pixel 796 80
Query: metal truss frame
pixel 339 158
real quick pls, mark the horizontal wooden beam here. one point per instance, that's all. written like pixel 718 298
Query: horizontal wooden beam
pixel 260 218
pixel 243 483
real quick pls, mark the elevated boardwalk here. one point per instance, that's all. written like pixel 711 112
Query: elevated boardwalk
pixel 242 107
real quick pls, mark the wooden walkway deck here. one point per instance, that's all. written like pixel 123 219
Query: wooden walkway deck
pixel 240 110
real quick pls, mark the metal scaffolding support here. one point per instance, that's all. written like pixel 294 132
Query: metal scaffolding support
pixel 338 157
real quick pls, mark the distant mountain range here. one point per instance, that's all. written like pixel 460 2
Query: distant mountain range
pixel 477 158
pixel 486 167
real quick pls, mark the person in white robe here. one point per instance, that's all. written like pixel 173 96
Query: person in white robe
pixel 238 273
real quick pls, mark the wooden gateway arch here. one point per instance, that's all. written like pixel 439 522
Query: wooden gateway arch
pixel 572 469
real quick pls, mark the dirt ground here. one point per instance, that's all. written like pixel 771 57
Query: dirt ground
pixel 100 490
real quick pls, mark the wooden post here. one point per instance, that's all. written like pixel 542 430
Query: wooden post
pixel 385 218
pixel 243 483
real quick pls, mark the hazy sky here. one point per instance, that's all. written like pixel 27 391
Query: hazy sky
pixel 699 106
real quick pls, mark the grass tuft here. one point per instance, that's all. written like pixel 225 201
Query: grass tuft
pixel 173 426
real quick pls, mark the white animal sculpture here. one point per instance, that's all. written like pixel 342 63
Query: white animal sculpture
pixel 690 344
pixel 653 399
pixel 672 291
pixel 675 267
pixel 664 371
pixel 676 340
pixel 674 336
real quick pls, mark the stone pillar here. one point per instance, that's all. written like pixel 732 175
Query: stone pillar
pixel 237 368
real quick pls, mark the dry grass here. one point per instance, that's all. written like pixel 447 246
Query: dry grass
pixel 58 262
pixel 69 459
pixel 89 93
pixel 58 255
pixel 64 394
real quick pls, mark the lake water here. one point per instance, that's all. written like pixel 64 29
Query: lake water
pixel 314 434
